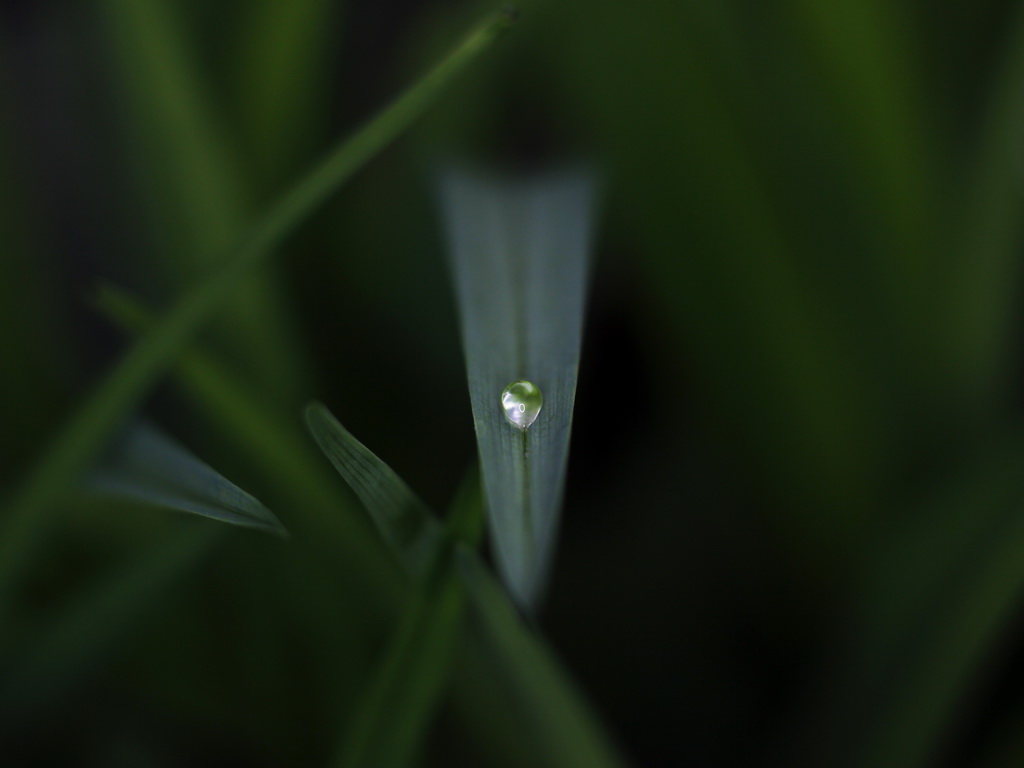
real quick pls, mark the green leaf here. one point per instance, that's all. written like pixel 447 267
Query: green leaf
pixel 405 690
pixel 409 680
pixel 282 66
pixel 408 684
pixel 71 451
pixel 986 267
pixel 148 466
pixel 403 520
pixel 273 442
pixel 556 721
pixel 519 252
pixel 934 601
pixel 200 190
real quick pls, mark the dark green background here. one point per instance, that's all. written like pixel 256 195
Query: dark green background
pixel 794 520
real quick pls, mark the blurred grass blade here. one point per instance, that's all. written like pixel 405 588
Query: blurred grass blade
pixel 935 600
pixel 283 62
pixel 402 519
pixel 986 267
pixel 86 631
pixel 85 434
pixel 407 685
pixel 389 726
pixel 519 256
pixel 147 466
pixel 558 722
pixel 199 189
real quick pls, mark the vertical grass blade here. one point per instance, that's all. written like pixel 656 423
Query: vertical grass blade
pixel 402 519
pixel 200 190
pixel 519 252
pixel 85 434
pixel 986 269
pixel 935 597
pixel 147 466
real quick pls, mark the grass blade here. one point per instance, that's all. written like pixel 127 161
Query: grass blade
pixel 409 682
pixel 519 256
pixel 400 703
pixel 557 719
pixel 199 187
pixel 283 56
pixel 403 520
pixel 986 266
pixel 85 434
pixel 147 466
pixel 273 442
pixel 934 602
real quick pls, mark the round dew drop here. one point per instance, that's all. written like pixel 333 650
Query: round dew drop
pixel 521 401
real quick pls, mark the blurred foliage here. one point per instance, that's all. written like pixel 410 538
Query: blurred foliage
pixel 796 540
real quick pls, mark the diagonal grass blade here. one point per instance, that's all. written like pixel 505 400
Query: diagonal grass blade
pixel 85 434
pixel 147 466
pixel 402 519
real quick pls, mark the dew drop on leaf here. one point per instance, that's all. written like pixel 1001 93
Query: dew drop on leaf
pixel 521 401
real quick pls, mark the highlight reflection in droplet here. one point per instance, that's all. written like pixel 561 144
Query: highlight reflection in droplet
pixel 521 401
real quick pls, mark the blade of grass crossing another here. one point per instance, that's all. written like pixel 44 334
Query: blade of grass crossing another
pixel 449 571
pixel 108 407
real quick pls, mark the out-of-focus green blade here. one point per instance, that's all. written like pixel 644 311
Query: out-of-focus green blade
pixel 85 631
pixel 933 602
pixel 271 440
pixel 194 172
pixel 282 69
pixel 413 674
pixel 557 723
pixel 519 253
pixel 402 519
pixel 389 726
pixel 84 435
pixel 986 269
pixel 148 466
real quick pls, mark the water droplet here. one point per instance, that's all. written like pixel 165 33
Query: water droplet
pixel 521 401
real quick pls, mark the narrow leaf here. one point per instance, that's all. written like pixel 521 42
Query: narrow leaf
pixel 201 192
pixel 402 519
pixel 389 726
pixel 934 602
pixel 556 718
pixel 519 256
pixel 85 434
pixel 283 57
pixel 410 680
pixel 148 466
pixel 986 268
pixel 567 732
